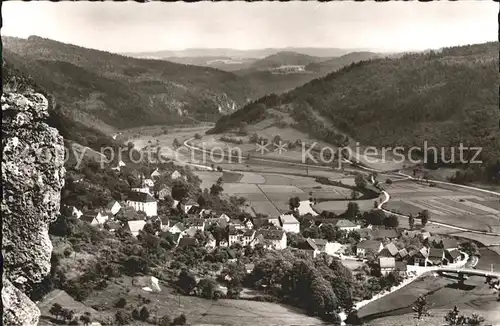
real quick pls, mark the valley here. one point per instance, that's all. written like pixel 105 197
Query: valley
pixel 219 164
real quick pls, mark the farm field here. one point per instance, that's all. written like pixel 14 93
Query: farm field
pixel 200 311
pixel 269 193
pixel 442 294
pixel 456 207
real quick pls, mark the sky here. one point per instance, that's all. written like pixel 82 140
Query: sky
pixel 142 27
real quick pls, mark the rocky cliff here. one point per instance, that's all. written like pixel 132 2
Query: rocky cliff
pixel 32 178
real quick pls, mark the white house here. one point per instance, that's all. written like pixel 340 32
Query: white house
pixel 211 243
pixel 75 212
pixel 366 246
pixel 187 206
pixel 387 265
pixel 148 183
pixel 144 202
pixel 327 247
pixel 121 163
pixel 233 237
pixel 342 224
pixel 135 226
pixel 289 223
pixel 247 237
pixel 248 223
pixel 224 217
pixel 155 174
pixel 274 221
pixel 175 175
pixel 95 217
pixel 113 207
pixel 273 238
pixel 177 228
pixel 145 190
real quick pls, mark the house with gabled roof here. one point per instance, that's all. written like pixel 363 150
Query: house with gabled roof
pixel 247 237
pixel 148 183
pixel 289 223
pixel 211 242
pixel 233 236
pixel 94 217
pixel 195 210
pixel 175 175
pixel 187 242
pixel 342 224
pixel 198 223
pixel 436 256
pixel 190 232
pixel 113 207
pixel 155 174
pixel 327 247
pixel 390 250
pixel 177 228
pixel 273 238
pixel 187 205
pixel 248 223
pixel 165 223
pixel 402 254
pixel 135 226
pixel 144 202
pixel 419 257
pixel 234 223
pixel 163 192
pixel 112 226
pixel 389 234
pixel 308 246
pixel 387 265
pixel 366 246
pixel 452 256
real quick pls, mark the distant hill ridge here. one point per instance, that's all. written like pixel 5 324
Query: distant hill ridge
pixel 444 98
pixel 122 91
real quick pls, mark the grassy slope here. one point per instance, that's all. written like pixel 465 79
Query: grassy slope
pixel 123 91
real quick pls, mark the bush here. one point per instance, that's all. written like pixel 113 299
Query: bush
pixel 121 303
pixel 180 320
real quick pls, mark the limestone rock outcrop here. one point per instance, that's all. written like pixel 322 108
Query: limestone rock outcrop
pixel 32 179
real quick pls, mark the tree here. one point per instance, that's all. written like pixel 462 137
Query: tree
pixel 323 299
pixel 375 217
pixel 352 212
pixel 56 310
pixel 353 318
pixel 216 189
pixel 180 320
pixel 86 318
pixel 453 318
pixel 411 221
pixel 179 190
pixel 144 313
pixel 424 217
pixel 176 143
pixel 197 136
pixel 202 201
pixel 420 307
pixel 360 181
pixel 122 317
pixel 121 303
pixel 391 221
pixel 354 194
pixel 294 203
pixel 186 281
pixel 470 248
pixel 165 321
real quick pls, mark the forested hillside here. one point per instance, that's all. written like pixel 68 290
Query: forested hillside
pixel 122 91
pixel 445 98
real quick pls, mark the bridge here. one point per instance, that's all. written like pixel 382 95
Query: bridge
pixel 464 273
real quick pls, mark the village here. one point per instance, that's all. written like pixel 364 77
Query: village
pixel 392 249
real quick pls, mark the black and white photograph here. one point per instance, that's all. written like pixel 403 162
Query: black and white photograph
pixel 233 163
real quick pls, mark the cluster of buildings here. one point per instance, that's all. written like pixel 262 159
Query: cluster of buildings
pixel 434 251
